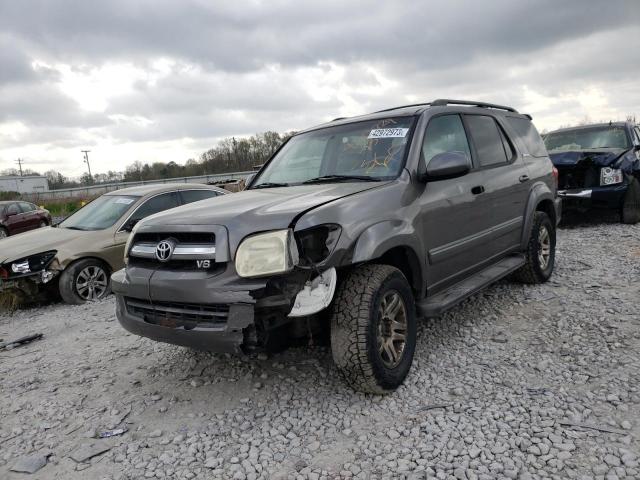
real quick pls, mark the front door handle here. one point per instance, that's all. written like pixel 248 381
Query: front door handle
pixel 477 190
pixel 523 178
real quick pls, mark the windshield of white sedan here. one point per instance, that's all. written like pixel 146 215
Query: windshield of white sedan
pixel 587 138
pixel 363 151
pixel 102 213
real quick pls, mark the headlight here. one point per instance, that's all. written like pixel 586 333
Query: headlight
pixel 266 253
pixel 32 264
pixel 610 176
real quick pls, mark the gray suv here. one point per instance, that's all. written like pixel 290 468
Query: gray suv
pixel 352 229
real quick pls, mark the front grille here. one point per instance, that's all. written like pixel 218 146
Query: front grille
pixel 181 237
pixel 177 265
pixel 578 177
pixel 175 315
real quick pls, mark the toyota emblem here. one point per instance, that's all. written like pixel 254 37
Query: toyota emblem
pixel 164 250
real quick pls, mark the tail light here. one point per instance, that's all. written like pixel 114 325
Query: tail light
pixel 3 273
pixel 556 176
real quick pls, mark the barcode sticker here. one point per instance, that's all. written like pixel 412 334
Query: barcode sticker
pixel 388 133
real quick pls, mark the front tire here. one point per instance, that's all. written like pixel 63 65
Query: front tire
pixel 84 281
pixel 541 251
pixel 43 223
pixel 630 210
pixel 3 232
pixel 373 329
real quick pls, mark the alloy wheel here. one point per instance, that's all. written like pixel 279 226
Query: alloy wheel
pixel 391 329
pixel 92 283
pixel 544 240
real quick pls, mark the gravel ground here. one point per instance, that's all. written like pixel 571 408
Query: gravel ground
pixel 517 382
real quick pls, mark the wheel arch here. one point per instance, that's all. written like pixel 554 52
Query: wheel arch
pixel 392 243
pixel 541 199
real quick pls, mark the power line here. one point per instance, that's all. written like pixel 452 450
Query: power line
pixel 19 162
pixel 86 159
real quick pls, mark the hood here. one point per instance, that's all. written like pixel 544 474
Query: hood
pixel 263 209
pixel 602 157
pixel 43 240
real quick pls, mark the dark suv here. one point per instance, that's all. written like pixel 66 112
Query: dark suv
pixel 599 167
pixel 370 219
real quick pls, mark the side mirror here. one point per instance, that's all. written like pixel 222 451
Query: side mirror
pixel 127 227
pixel 447 165
pixel 636 148
pixel 249 179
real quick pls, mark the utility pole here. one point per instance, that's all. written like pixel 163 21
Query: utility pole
pixel 19 162
pixel 86 160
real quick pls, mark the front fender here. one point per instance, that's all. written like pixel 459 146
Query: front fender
pixel 539 192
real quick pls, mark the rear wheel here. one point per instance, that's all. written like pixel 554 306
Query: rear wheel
pixel 3 232
pixel 84 281
pixel 540 253
pixel 373 328
pixel 630 211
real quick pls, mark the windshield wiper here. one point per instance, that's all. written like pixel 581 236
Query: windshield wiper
pixel 76 228
pixel 270 185
pixel 338 178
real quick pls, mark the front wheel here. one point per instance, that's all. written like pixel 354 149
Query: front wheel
pixel 540 255
pixel 3 232
pixel 84 281
pixel 43 223
pixel 373 328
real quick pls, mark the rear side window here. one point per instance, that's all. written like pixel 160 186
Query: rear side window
pixel 156 204
pixel 529 135
pixel 13 209
pixel 189 196
pixel 488 140
pixel 444 134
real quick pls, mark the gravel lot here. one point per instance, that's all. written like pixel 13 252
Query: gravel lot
pixel 517 382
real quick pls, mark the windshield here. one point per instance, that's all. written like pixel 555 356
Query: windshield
pixel 373 150
pixel 587 138
pixel 102 213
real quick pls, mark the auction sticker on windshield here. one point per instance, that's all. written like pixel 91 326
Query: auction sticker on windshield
pixel 388 133
pixel 126 201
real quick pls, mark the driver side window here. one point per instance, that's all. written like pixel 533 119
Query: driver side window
pixel 444 134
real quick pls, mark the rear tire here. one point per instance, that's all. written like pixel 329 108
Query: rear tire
pixel 540 253
pixel 630 210
pixel 373 329
pixel 3 232
pixel 84 281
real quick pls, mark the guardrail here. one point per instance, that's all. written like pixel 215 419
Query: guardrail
pixel 95 190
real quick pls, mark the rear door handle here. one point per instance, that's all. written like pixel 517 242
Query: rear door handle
pixel 523 178
pixel 477 190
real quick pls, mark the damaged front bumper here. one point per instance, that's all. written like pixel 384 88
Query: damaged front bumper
pixel 221 313
pixel 597 197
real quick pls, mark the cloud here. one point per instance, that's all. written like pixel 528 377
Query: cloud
pixel 138 80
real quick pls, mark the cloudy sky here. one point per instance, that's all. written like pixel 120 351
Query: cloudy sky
pixel 156 80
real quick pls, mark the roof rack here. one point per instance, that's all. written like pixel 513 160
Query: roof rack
pixel 441 102
pixel 404 106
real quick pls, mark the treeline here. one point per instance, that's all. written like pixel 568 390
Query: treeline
pixel 229 155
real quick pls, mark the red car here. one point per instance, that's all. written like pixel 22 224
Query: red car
pixel 18 217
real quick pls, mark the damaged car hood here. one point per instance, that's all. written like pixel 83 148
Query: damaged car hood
pixel 252 211
pixel 43 240
pixel 626 160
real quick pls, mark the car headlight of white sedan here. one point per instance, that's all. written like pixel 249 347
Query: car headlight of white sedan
pixel 610 176
pixel 267 253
